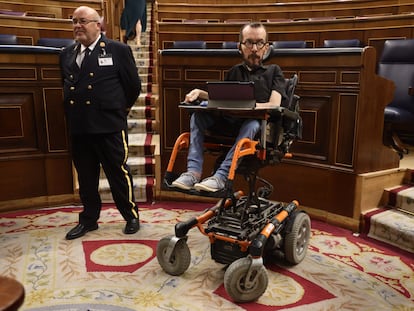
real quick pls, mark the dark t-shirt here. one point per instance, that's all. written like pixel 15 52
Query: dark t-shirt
pixel 266 79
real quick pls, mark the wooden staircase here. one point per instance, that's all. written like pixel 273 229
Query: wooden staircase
pixel 143 121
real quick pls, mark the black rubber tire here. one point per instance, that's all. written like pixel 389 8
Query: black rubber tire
pixel 234 281
pixel 297 240
pixel 180 259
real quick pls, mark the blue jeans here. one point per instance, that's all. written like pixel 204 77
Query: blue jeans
pixel 200 122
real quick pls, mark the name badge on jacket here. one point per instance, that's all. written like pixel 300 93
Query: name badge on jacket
pixel 105 60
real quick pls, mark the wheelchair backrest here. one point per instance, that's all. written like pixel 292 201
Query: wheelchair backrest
pixel 292 99
pixel 285 126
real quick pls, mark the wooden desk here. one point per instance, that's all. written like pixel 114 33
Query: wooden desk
pixel 342 107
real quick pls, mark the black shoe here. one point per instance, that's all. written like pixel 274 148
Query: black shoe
pixel 80 230
pixel 132 226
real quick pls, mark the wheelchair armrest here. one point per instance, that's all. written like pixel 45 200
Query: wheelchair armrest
pixel 283 127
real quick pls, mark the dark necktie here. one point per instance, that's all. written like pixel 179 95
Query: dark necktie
pixel 86 56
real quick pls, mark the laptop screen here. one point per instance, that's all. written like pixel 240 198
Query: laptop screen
pixel 230 90
pixel 231 94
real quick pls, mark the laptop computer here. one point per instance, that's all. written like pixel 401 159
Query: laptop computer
pixel 231 95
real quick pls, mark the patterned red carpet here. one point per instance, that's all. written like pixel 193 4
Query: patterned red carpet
pixel 107 270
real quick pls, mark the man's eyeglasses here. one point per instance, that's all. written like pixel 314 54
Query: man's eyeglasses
pixel 83 21
pixel 249 44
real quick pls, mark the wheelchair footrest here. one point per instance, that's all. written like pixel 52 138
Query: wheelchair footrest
pixel 218 194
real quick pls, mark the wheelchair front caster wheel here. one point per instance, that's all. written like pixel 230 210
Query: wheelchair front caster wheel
pixel 173 262
pixel 297 240
pixel 240 286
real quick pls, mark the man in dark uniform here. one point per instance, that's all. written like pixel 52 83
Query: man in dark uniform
pixel 101 83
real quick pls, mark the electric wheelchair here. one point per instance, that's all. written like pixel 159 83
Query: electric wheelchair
pixel 244 229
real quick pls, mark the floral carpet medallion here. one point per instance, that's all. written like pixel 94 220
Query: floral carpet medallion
pixel 107 270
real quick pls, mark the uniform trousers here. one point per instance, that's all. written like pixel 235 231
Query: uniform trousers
pixel 89 153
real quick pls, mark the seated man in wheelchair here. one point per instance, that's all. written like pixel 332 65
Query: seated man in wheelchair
pixel 269 84
pixel 243 230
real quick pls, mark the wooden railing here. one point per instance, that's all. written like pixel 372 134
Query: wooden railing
pixel 49 8
pixel 51 18
pixel 273 11
pixel 342 106
pixel 29 29
pixel 372 30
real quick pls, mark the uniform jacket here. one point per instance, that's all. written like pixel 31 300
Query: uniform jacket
pixel 98 95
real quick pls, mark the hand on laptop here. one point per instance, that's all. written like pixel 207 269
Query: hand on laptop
pixel 195 94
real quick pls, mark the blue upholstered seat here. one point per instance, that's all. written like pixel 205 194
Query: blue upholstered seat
pixel 342 43
pixel 8 39
pixel 189 45
pixel 55 42
pixel 397 64
pixel 230 45
pixel 289 44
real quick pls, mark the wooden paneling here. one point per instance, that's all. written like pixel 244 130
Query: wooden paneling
pixel 342 106
pixel 34 151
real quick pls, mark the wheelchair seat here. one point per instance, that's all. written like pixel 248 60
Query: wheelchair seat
pixel 280 127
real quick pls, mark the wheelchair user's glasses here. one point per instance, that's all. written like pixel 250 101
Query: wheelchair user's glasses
pixel 259 44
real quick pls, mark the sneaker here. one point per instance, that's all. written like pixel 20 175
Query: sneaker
pixel 211 184
pixel 186 181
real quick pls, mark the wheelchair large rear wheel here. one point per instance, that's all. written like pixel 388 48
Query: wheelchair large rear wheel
pixel 235 281
pixel 180 259
pixel 297 240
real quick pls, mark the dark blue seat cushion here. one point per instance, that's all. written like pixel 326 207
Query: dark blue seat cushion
pixel 55 42
pixel 342 43
pixel 397 64
pixel 189 45
pixel 8 39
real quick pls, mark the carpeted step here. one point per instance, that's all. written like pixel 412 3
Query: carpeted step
pixel 393 223
pixel 142 126
pixel 401 197
pixel 390 226
pixel 143 144
pixel 143 189
pixel 142 112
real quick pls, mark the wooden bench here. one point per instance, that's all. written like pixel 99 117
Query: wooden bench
pixel 62 10
pixel 293 10
pixel 29 29
pixel 49 8
pixel 372 30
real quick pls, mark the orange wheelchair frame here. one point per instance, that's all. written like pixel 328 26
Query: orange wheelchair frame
pixel 243 229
